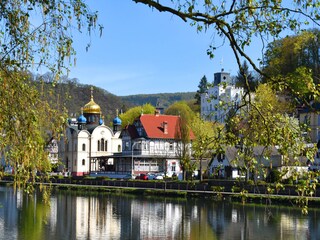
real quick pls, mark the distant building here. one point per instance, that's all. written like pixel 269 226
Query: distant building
pixel 311 117
pixel 229 166
pixel 88 143
pixel 53 151
pixel 221 98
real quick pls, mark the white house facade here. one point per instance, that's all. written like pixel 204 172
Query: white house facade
pixel 152 144
pixel 221 98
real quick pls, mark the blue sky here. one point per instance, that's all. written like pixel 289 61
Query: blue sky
pixel 143 51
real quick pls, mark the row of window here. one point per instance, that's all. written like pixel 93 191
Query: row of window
pixel 144 146
pixel 101 144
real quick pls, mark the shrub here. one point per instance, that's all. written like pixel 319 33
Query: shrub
pixel 217 188
pixel 235 189
pixel 274 176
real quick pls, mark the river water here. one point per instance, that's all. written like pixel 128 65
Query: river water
pixel 74 215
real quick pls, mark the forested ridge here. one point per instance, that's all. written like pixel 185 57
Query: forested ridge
pixel 73 96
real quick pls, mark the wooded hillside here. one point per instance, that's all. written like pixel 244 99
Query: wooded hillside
pixel 163 99
pixel 73 96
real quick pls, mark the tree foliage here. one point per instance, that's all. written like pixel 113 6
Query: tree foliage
pixel 129 116
pixel 27 124
pixel 207 140
pixel 292 64
pixel 285 55
pixel 238 23
pixel 183 133
pixel 40 33
pixel 34 34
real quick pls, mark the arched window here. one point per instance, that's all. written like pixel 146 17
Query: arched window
pixel 102 144
pixel 83 147
pixel 98 145
pixel 83 162
pixel 106 145
pixel 119 148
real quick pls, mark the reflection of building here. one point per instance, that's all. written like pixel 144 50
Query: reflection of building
pixel 221 98
pixel 166 216
pixel 89 143
pixel 153 144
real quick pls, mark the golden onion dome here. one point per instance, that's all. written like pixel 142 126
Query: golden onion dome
pixel 91 107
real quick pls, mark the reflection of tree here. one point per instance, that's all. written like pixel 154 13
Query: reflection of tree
pixel 33 217
pixel 200 227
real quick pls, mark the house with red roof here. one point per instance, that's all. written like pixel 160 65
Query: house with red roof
pixel 153 144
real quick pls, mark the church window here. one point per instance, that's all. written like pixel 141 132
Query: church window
pixel 106 146
pixel 102 144
pixel 98 145
pixel 119 148
pixel 83 147
pixel 83 162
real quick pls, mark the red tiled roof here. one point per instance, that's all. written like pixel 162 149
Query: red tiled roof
pixel 154 125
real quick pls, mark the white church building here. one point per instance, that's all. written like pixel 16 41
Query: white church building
pixel 89 143
pixel 220 98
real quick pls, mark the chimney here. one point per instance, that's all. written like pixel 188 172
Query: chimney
pixel 165 127
pixel 156 112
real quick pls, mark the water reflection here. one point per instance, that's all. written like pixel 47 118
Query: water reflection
pixel 107 216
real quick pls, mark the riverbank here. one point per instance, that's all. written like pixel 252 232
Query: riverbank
pixel 215 189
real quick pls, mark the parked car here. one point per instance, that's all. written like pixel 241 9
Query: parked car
pixel 159 176
pixel 151 176
pixel 142 177
pixel 155 176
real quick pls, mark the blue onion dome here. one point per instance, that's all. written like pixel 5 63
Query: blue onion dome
pixel 101 121
pixel 81 118
pixel 117 121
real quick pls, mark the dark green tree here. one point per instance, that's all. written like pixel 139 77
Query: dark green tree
pixel 203 86
pixel 245 78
